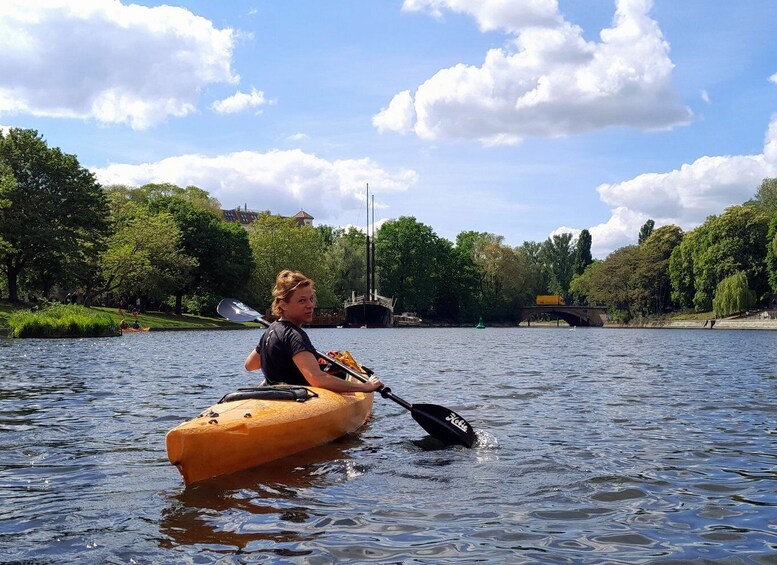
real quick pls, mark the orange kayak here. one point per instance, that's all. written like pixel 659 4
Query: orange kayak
pixel 242 433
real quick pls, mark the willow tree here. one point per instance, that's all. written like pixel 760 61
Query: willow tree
pixel 732 295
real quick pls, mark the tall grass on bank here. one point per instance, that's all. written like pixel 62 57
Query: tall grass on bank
pixel 62 320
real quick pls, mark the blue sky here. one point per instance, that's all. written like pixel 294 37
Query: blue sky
pixel 520 118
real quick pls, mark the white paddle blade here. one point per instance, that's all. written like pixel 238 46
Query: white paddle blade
pixel 236 311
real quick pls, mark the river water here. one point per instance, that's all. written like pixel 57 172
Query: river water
pixel 594 445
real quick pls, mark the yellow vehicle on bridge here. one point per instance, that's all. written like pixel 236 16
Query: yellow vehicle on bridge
pixel 550 300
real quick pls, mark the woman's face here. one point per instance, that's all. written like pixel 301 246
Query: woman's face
pixel 299 309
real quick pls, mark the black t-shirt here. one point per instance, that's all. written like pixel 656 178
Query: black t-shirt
pixel 282 341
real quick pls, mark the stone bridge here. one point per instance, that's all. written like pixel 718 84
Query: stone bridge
pixel 572 315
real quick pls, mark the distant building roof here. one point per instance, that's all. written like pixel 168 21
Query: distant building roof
pixel 247 217
pixel 303 218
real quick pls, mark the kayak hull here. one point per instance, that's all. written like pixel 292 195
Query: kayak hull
pixel 237 435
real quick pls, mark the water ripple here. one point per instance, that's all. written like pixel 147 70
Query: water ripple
pixel 592 446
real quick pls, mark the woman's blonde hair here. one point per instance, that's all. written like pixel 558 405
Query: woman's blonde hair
pixel 286 283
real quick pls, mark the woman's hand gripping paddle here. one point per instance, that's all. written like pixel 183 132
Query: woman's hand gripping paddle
pixel 439 422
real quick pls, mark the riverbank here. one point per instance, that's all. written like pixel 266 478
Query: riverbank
pixel 167 322
pixel 708 324
pixel 157 321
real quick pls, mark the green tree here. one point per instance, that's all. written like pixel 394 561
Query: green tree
pixel 492 279
pixel 652 281
pixel 558 256
pixel 646 230
pixel 451 282
pixel 220 249
pixel 734 241
pixel 532 250
pixel 198 197
pixel 732 295
pixel 329 234
pixel 57 213
pixel 144 256
pixel 583 256
pixel 231 268
pixel 7 184
pixel 473 273
pixel 580 285
pixel 681 266
pixel 467 276
pixel 408 264
pixel 497 262
pixel 278 243
pixel 613 283
pixel 346 259
pixel 766 195
pixel 771 254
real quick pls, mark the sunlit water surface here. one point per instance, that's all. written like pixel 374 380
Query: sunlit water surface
pixel 595 445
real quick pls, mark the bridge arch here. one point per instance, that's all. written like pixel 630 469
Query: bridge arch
pixel 573 315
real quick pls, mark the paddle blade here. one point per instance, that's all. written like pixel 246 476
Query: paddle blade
pixel 236 311
pixel 443 424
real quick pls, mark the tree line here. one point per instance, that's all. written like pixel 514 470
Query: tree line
pixel 62 231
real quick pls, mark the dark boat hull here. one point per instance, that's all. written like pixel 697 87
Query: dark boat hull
pixel 368 314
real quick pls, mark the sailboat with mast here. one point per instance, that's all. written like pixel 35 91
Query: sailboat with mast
pixel 369 310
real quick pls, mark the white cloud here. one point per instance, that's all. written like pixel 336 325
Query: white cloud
pixel 564 229
pixel 494 14
pixel 399 116
pixel 684 196
pixel 239 102
pixel 103 60
pixel 550 82
pixel 282 181
pixel 298 137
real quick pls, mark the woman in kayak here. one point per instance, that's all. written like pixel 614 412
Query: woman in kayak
pixel 285 353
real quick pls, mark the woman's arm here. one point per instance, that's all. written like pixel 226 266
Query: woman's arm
pixel 253 361
pixel 308 365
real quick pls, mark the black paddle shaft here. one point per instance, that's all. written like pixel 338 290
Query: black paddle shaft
pixel 439 422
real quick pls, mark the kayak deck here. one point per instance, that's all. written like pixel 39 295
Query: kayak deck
pixel 237 435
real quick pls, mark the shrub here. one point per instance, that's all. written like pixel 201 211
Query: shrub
pixel 62 320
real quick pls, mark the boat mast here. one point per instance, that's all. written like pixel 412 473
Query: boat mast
pixel 372 269
pixel 368 294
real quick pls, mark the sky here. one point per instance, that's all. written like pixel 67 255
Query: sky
pixel 520 118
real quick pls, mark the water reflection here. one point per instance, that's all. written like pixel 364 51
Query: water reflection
pixel 267 509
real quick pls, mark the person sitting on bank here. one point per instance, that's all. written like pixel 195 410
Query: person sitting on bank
pixel 285 353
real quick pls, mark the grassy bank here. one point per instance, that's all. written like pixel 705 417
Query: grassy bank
pixel 61 320
pixel 165 321
pixel 155 320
